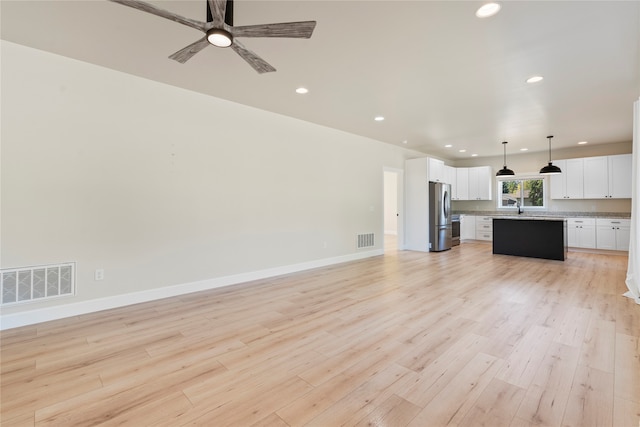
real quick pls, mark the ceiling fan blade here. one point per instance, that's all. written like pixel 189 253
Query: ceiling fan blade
pixel 218 10
pixel 149 8
pixel 185 54
pixel 302 30
pixel 258 64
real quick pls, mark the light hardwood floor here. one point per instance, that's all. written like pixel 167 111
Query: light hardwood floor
pixel 461 337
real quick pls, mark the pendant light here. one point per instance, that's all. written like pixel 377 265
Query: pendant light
pixel 550 169
pixel 505 171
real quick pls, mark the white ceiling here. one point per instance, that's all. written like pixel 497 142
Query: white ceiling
pixel 438 74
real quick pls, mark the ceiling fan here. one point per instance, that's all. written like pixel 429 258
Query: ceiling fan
pixel 219 31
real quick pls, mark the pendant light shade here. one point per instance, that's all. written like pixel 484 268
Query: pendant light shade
pixel 550 169
pixel 505 171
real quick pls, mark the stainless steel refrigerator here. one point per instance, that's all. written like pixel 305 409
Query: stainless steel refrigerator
pixel 440 232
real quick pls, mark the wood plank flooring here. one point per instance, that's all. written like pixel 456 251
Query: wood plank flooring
pixel 458 338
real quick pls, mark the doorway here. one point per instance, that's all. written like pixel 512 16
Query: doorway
pixel 393 224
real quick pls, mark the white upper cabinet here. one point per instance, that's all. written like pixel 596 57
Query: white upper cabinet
pixel 461 191
pixel 607 177
pixel 466 183
pixel 480 183
pixel 620 176
pixel 570 183
pixel 436 170
pixel 450 177
pixel 596 178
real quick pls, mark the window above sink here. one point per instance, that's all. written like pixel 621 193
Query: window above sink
pixel 523 193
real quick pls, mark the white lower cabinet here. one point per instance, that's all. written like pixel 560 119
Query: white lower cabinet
pixel 581 232
pixel 484 228
pixel 613 234
pixel 467 227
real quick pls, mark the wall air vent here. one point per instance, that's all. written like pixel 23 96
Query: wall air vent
pixel 37 283
pixel 365 241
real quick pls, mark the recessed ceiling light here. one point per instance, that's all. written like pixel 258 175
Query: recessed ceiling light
pixel 524 149
pixel 378 118
pixel 535 79
pixel 583 142
pixel 487 10
pixel 448 146
pixel 302 90
pixel 474 155
pixel 405 141
pixel 462 151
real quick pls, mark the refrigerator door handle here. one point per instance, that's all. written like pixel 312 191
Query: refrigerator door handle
pixel 446 205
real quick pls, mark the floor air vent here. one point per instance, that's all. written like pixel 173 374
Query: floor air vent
pixel 37 283
pixel 365 241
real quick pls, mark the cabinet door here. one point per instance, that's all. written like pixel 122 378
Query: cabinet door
pixel 480 181
pixel 450 177
pixel 587 237
pixel 572 236
pixel 620 176
pixel 623 235
pixel 462 183
pixel 596 177
pixel 467 227
pixel 485 182
pixel 558 183
pixel 606 237
pixel 436 170
pixel 574 178
pixel 473 184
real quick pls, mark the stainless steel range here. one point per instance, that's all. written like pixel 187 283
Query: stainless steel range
pixel 455 230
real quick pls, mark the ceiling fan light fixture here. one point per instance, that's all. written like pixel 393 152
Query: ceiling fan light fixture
pixel 505 171
pixel 219 37
pixel 550 169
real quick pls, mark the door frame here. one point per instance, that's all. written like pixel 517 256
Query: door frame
pixel 399 202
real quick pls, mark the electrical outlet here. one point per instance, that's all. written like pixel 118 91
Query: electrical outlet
pixel 99 274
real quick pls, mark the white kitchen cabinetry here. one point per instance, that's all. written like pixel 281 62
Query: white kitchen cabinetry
pixel 607 177
pixel 480 183
pixel 467 227
pixel 570 183
pixel 462 184
pixel 613 234
pixel 436 170
pixel 484 228
pixel 596 178
pixel 581 232
pixel 620 176
pixel 450 178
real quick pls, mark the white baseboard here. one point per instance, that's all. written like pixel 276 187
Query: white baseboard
pixel 40 315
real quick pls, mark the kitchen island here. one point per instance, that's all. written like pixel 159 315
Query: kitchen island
pixel 536 237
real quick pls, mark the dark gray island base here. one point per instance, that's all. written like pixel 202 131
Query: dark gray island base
pixel 530 237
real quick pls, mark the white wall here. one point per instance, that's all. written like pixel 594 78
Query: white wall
pixel 161 186
pixel 390 202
